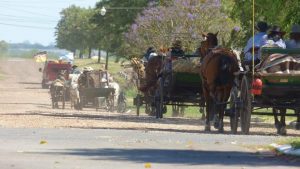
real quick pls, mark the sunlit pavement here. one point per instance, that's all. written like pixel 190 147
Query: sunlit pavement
pixel 105 148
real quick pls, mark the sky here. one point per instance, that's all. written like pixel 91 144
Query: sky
pixel 33 20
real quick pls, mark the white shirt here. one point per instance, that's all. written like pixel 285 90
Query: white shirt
pixel 259 40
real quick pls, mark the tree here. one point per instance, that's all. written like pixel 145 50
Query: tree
pixel 74 30
pixel 159 26
pixel 3 48
pixel 283 13
pixel 116 22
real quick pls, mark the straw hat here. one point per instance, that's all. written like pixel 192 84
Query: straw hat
pixel 87 69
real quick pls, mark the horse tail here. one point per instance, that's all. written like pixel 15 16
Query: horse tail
pixel 227 66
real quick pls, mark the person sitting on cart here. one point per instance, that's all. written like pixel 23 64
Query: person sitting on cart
pixel 84 80
pixel 176 49
pixel 148 53
pixel 75 70
pixel 259 40
pixel 275 38
pixel 294 41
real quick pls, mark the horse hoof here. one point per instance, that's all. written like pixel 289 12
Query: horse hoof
pixel 207 129
pixel 216 125
pixel 283 131
pixel 297 127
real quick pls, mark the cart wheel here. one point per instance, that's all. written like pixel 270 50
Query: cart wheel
pixel 138 104
pixel 44 85
pixel 245 112
pixel 121 107
pixel 159 99
pixel 63 99
pixel 234 110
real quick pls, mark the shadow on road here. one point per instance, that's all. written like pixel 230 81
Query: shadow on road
pixel 171 156
pixel 114 117
pixel 29 83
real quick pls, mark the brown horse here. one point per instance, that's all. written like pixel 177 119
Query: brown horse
pixel 152 70
pixel 217 72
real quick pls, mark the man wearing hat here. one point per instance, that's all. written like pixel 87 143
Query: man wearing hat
pixel 275 38
pixel 294 41
pixel 75 70
pixel 259 40
pixel 176 49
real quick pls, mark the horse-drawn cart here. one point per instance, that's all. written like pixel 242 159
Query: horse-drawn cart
pixel 94 90
pixel 274 84
pixel 179 84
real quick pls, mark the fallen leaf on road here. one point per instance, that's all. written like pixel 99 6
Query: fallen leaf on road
pixel 43 142
pixel 147 165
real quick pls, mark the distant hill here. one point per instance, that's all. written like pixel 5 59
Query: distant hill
pixel 27 45
pixel 27 49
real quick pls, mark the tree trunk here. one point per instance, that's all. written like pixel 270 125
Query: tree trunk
pixel 80 54
pixel 99 55
pixel 74 53
pixel 90 52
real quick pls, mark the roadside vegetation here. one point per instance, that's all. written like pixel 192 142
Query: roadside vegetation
pixel 294 142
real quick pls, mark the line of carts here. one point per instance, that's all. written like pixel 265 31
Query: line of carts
pixel 96 93
pixel 280 90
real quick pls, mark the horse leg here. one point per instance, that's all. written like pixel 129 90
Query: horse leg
pixel 208 111
pixel 277 123
pixel 223 97
pixel 297 111
pixel 208 107
pixel 282 121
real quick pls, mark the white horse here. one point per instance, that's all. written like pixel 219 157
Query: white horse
pixel 74 92
pixel 116 86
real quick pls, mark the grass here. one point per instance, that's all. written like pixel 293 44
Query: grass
pixel 270 119
pixel 294 142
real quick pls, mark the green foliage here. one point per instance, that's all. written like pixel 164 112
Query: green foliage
pixel 117 20
pixel 74 30
pixel 3 48
pixel 295 142
pixel 280 12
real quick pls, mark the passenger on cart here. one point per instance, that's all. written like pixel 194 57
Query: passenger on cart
pixel 176 50
pixel 275 38
pixel 294 41
pixel 259 40
pixel 148 53
pixel 84 80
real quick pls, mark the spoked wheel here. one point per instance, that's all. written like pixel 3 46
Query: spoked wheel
pixel 246 106
pixel 122 107
pixel 159 99
pixel 138 104
pixel 63 98
pixel 234 110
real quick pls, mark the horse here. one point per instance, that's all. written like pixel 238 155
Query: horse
pixel 152 71
pixel 217 72
pixel 57 92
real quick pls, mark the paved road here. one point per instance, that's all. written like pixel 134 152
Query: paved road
pixel 127 149
pixel 89 139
